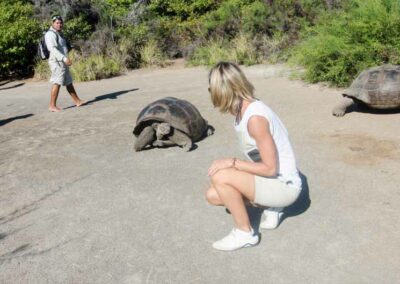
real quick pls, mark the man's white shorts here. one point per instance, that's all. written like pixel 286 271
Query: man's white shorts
pixel 60 74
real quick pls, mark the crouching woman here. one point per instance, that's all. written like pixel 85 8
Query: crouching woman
pixel 268 177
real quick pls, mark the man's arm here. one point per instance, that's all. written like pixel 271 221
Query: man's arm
pixel 51 43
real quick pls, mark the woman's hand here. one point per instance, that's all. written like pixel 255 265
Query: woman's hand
pixel 221 164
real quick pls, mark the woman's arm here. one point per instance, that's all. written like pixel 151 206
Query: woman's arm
pixel 258 128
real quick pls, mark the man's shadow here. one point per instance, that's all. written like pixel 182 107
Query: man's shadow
pixel 8 120
pixel 301 205
pixel 10 87
pixel 110 96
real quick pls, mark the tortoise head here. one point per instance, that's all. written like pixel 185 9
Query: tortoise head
pixel 163 128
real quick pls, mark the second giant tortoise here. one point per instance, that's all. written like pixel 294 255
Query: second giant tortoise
pixel 170 121
pixel 377 87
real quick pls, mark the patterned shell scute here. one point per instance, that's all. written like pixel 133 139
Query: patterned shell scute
pixel 179 113
pixel 377 87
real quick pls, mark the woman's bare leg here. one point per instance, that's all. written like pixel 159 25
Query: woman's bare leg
pixel 213 197
pixel 232 187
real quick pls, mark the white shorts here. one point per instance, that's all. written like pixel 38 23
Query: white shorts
pixel 274 192
pixel 60 74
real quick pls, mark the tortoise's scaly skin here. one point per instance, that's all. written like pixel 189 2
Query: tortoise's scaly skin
pixel 180 114
pixel 377 87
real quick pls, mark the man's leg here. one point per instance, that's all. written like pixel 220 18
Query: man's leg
pixel 55 89
pixel 72 92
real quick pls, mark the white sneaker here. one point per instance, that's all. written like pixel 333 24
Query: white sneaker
pixel 272 219
pixel 237 239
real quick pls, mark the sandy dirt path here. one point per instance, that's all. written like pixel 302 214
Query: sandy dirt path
pixel 78 205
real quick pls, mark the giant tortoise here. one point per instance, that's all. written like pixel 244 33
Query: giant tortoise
pixel 170 121
pixel 377 87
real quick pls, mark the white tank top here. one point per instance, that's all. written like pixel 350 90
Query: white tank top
pixel 287 170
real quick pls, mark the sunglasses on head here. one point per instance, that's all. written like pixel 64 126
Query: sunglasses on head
pixel 55 18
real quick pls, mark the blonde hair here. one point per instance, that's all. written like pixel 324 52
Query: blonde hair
pixel 228 87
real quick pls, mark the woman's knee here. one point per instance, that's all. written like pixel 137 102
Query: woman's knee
pixel 222 176
pixel 212 196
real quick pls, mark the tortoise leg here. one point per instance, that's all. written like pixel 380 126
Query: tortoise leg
pixel 341 108
pixel 161 143
pixel 210 130
pixel 145 138
pixel 181 139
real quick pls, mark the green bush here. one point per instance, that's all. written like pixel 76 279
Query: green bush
pixel 181 9
pixel 255 18
pixel 19 34
pixel 151 54
pixel 210 53
pixel 343 44
pixel 225 21
pixel 241 50
pixel 77 29
pixel 94 67
pixel 42 70
pixel 131 40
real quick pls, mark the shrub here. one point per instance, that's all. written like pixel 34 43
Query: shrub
pixel 225 21
pixel 19 34
pixel 210 53
pixel 181 9
pixel 94 67
pixel 273 49
pixel 77 29
pixel 42 70
pixel 240 50
pixel 244 51
pixel 255 19
pixel 151 54
pixel 131 40
pixel 343 44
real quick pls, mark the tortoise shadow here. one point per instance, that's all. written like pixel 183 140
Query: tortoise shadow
pixel 8 120
pixel 151 147
pixel 363 108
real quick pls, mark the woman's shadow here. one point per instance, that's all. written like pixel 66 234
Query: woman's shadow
pixel 301 205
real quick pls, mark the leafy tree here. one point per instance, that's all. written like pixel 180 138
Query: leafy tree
pixel 19 33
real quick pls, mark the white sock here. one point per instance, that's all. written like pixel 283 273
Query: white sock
pixel 244 234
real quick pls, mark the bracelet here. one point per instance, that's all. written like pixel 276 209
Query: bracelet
pixel 234 163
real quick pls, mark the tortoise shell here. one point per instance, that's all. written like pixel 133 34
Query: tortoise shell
pixel 378 87
pixel 180 114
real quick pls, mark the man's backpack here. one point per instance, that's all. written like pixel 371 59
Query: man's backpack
pixel 43 51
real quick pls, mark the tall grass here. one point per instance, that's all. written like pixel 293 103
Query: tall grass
pixel 89 68
pixel 95 67
pixel 240 49
pixel 152 55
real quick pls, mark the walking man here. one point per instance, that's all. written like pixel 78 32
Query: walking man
pixel 59 62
